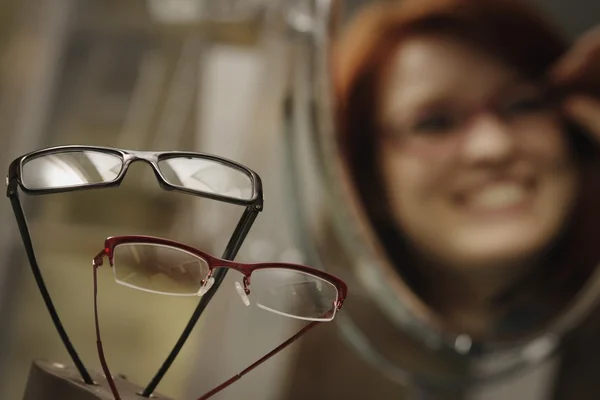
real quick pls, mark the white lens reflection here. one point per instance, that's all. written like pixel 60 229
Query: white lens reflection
pixel 70 169
pixel 207 176
pixel 159 269
pixel 293 294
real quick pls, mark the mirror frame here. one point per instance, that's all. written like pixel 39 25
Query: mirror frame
pixel 372 270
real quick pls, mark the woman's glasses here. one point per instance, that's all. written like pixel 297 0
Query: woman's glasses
pixel 166 267
pixel 69 168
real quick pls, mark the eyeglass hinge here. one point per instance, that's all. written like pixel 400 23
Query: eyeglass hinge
pixel 11 190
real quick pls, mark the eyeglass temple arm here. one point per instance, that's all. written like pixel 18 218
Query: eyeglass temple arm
pixel 235 242
pixel 107 374
pixel 259 362
pixel 35 269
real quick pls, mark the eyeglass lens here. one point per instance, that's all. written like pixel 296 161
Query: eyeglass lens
pixel 207 176
pixel 159 269
pixel 173 271
pixel 293 293
pixel 70 169
pixel 77 168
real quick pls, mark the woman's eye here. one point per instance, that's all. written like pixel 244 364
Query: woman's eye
pixel 435 124
pixel 525 106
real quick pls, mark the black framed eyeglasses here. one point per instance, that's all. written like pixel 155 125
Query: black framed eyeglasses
pixel 69 168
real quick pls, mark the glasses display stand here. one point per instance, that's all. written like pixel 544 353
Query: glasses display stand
pixel 48 380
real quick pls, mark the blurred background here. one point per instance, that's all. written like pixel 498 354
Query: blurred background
pixel 147 75
pixel 198 75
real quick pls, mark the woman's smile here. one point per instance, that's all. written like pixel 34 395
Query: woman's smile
pixel 498 199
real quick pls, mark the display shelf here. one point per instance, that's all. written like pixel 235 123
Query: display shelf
pixel 48 380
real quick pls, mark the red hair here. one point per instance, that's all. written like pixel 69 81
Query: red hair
pixel 509 30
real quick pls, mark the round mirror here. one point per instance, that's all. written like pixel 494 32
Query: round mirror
pixel 448 189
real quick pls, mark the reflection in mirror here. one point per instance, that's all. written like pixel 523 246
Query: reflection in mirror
pixel 70 169
pixel 207 176
pixel 458 201
pixel 466 171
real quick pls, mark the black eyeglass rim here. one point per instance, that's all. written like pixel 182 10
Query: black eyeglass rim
pixel 129 156
pixel 235 242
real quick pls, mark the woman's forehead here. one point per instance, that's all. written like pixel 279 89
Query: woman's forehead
pixel 424 68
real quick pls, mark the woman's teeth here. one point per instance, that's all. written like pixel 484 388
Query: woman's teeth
pixel 499 196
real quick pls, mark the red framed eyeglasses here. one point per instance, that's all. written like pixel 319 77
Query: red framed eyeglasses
pixel 167 267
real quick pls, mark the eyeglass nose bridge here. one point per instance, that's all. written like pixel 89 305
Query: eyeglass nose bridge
pixel 146 157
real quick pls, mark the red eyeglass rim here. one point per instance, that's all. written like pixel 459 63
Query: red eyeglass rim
pixel 245 269
pixel 214 262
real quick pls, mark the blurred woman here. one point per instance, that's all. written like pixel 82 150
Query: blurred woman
pixel 470 130
pixel 462 157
